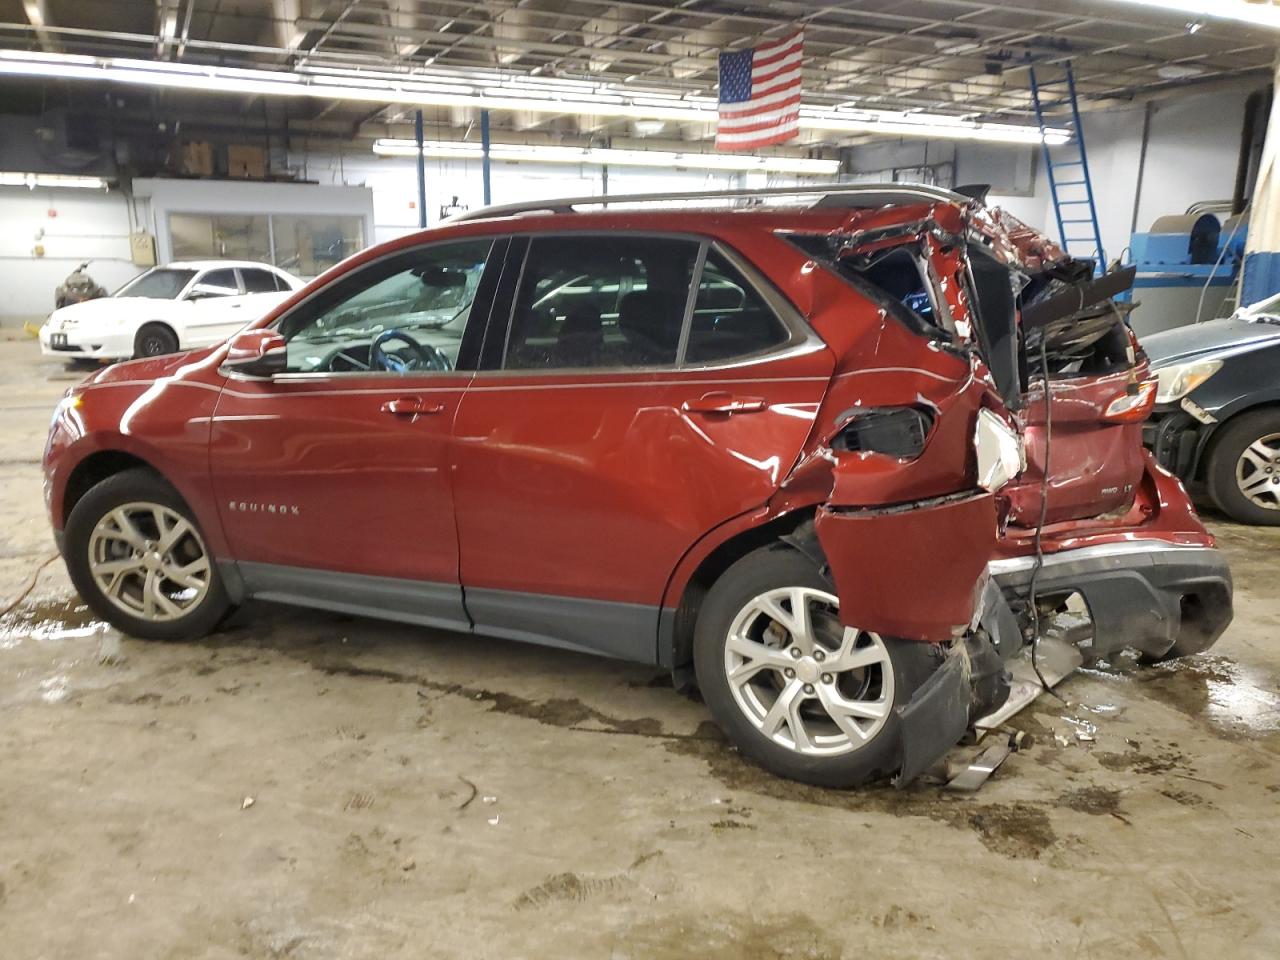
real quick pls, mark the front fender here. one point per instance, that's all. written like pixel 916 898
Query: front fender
pixel 165 424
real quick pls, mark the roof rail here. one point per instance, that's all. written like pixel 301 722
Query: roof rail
pixel 853 195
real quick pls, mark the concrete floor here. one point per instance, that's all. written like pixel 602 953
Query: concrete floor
pixel 423 794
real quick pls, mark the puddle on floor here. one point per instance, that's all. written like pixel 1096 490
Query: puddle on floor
pixel 1235 699
pixel 49 620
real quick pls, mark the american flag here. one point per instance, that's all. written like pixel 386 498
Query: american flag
pixel 760 94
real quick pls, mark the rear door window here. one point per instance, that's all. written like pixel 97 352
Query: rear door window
pixel 258 281
pixel 730 318
pixel 600 302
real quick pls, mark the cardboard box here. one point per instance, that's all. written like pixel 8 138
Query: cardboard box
pixel 246 162
pixel 197 158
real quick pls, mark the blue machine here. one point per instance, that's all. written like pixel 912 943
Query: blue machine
pixel 1187 266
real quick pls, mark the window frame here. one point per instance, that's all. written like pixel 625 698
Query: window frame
pixel 472 336
pixel 800 336
pixel 244 286
pixel 914 323
pixel 209 271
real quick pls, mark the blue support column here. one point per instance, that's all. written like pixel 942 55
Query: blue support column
pixel 422 170
pixel 484 160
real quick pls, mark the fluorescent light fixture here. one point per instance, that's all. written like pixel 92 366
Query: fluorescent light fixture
pixel 33 180
pixel 1178 71
pixel 1243 11
pixel 601 156
pixel 484 90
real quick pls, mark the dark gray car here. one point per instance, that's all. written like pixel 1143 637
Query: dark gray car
pixel 1217 418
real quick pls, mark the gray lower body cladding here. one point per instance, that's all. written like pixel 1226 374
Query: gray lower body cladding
pixel 1144 595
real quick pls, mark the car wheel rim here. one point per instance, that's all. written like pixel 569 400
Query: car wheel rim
pixel 149 561
pixel 804 680
pixel 152 347
pixel 1258 472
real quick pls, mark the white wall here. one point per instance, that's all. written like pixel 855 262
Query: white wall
pixel 78 225
pixel 394 183
pixel 1191 156
pixel 95 225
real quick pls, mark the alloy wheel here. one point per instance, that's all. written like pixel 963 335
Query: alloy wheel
pixel 803 679
pixel 1258 472
pixel 149 560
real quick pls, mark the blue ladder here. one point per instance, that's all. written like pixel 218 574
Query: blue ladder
pixel 1074 207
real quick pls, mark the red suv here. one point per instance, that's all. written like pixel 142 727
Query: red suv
pixel 796 454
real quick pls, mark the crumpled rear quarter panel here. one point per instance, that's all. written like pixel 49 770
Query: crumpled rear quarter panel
pixel 915 571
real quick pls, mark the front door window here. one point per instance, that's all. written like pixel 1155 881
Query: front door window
pixel 406 314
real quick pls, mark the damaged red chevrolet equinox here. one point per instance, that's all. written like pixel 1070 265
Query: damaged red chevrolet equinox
pixel 799 454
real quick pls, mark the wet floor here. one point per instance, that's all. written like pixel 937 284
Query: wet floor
pixel 308 785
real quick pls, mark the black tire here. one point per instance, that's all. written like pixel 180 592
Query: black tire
pixel 154 340
pixel 1234 439
pixel 768 569
pixel 133 486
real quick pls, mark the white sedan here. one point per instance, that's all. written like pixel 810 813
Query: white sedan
pixel 179 306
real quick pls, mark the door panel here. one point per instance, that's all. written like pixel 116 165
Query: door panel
pixel 597 456
pixel 211 319
pixel 342 464
pixel 595 487
pixel 354 488
pixel 215 319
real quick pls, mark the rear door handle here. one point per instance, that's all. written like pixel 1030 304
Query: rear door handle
pixel 724 403
pixel 410 407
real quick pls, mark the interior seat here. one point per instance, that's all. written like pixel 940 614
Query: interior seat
pixel 581 338
pixel 650 321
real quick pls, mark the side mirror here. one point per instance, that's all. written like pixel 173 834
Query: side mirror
pixel 203 291
pixel 256 353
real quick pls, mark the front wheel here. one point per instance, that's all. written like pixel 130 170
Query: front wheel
pixel 137 557
pixel 154 340
pixel 1244 468
pixel 795 690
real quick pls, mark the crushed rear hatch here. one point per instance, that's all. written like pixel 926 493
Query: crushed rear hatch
pixel 983 281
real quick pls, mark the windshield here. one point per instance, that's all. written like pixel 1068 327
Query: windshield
pixel 160 283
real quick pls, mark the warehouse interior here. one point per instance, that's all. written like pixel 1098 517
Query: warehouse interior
pixel 326 783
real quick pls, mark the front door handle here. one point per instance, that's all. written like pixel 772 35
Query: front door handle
pixel 410 407
pixel 724 403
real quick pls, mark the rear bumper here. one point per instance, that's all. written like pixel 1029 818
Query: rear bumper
pixel 1145 594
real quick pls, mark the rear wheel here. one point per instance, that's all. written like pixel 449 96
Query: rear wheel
pixel 795 690
pixel 139 560
pixel 1244 468
pixel 154 340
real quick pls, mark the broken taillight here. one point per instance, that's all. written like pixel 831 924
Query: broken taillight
pixel 1134 405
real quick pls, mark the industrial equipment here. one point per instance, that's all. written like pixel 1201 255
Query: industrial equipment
pixel 1187 265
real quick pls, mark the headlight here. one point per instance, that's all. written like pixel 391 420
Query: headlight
pixel 71 401
pixel 1001 456
pixel 1180 379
